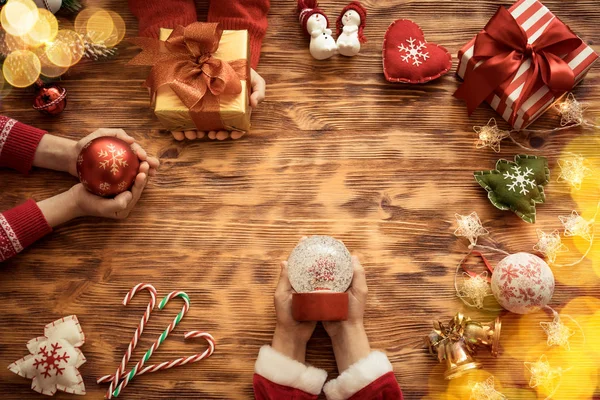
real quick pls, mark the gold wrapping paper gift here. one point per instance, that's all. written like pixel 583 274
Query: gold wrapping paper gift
pixel 234 109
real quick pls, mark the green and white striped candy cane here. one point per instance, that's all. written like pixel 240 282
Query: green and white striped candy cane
pixel 160 339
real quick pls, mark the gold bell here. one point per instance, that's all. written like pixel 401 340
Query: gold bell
pixel 483 334
pixel 458 359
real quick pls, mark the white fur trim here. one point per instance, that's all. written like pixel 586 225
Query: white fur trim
pixel 358 376
pixel 282 370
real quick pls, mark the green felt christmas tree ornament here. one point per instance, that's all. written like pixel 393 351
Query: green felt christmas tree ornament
pixel 517 186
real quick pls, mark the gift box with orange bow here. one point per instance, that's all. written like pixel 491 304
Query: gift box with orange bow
pixel 200 77
pixel 523 61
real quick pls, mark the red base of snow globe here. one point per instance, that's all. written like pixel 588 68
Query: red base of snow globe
pixel 320 306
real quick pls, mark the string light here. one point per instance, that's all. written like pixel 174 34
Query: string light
pixel 490 135
pixel 558 333
pixel 576 225
pixel 544 376
pixel 485 390
pixel 549 244
pixel 571 111
pixel 469 226
pixel 573 170
pixel 475 288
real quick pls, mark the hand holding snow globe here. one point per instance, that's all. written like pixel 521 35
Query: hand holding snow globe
pixel 320 271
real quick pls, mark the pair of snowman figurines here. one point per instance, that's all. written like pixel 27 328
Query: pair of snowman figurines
pixel 350 25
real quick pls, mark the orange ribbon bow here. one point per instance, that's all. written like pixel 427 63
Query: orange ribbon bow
pixel 186 63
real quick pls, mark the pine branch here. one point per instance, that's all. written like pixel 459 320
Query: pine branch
pixel 72 6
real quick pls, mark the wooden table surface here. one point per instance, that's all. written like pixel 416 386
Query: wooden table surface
pixel 335 150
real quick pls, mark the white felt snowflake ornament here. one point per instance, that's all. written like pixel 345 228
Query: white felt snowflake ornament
pixel 413 52
pixel 54 358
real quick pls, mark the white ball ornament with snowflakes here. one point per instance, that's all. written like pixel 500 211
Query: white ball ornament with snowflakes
pixel 522 283
pixel 51 5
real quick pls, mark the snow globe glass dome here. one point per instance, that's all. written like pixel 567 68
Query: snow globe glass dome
pixel 320 271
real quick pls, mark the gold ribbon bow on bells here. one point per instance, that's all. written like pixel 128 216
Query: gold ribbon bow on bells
pixel 185 62
pixel 458 341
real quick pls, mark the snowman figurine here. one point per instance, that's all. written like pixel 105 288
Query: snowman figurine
pixel 316 24
pixel 350 25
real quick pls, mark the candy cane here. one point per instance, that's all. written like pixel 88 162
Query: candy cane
pixel 114 378
pixel 160 339
pixel 184 360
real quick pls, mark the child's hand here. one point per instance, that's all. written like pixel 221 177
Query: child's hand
pixel 349 339
pixel 290 336
pixel 119 207
pixel 78 202
pixel 152 162
pixel 258 95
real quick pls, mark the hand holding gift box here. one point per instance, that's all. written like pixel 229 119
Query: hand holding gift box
pixel 199 78
pixel 522 62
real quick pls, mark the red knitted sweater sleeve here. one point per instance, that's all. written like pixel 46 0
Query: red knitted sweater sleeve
pixel 18 143
pixel 24 224
pixel 232 14
pixel 243 14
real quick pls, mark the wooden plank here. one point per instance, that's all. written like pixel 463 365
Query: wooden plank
pixel 336 150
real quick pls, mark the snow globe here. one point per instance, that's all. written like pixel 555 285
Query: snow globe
pixel 320 271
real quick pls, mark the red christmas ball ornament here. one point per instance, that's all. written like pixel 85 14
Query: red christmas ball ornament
pixel 107 166
pixel 51 99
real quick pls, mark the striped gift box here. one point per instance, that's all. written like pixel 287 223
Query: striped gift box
pixel 533 17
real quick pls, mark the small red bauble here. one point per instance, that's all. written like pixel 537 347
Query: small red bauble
pixel 107 166
pixel 50 99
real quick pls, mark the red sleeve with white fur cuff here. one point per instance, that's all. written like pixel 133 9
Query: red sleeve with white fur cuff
pixel 360 376
pixel 284 371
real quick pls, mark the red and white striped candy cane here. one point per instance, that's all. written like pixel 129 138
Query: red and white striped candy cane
pixel 184 360
pixel 138 367
pixel 114 378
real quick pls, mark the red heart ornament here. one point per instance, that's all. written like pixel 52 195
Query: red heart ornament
pixel 409 58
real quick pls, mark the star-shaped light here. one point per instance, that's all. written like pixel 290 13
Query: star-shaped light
pixel 490 135
pixel 576 225
pixel 469 226
pixel 571 111
pixel 573 170
pixel 543 375
pixel 475 288
pixel 558 333
pixel 485 390
pixel 549 244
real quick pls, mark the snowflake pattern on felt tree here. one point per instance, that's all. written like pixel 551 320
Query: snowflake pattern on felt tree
pixel 517 186
pixel 54 358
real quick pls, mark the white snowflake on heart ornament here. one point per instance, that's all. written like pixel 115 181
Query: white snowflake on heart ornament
pixel 413 52
pixel 54 358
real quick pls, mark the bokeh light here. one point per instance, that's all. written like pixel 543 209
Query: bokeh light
pixel 18 17
pixel 100 26
pixel 66 49
pixel 21 68
pixel 44 30
pixel 49 69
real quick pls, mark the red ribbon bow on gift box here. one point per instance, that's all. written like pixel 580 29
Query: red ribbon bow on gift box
pixel 503 47
pixel 186 63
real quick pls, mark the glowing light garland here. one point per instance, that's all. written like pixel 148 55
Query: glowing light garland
pixel 544 376
pixel 570 110
pixel 485 390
